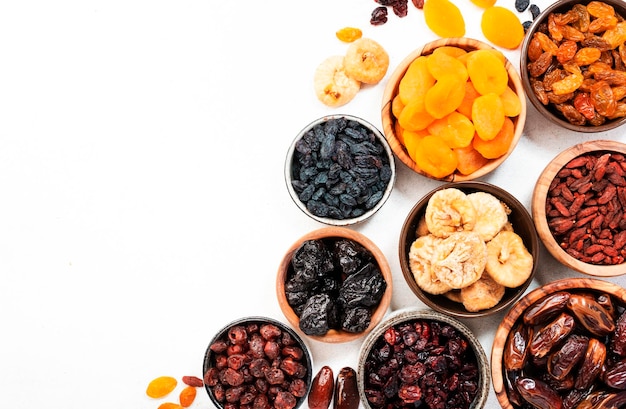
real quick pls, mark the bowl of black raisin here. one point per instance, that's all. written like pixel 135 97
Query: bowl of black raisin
pixel 420 358
pixel 334 284
pixel 340 170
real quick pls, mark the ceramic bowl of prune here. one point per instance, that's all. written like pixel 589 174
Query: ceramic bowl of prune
pixel 563 345
pixel 468 249
pixel 454 109
pixel 339 170
pixel 422 358
pixel 579 207
pixel 257 361
pixel 571 66
pixel 334 284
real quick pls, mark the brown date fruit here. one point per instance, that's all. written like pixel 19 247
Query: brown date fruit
pixel 615 376
pixel 516 347
pixel 567 357
pixel 538 393
pixel 546 308
pixel 322 388
pixel 549 336
pixel 592 364
pixel 346 390
pixel 618 339
pixel 591 315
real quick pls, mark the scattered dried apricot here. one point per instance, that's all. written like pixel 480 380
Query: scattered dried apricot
pixel 444 18
pixel 484 3
pixel 187 396
pixel 502 27
pixel 349 34
pixel 161 386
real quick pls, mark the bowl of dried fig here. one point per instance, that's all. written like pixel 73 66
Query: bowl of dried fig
pixel 334 284
pixel 571 66
pixel 563 345
pixel 439 362
pixel 579 207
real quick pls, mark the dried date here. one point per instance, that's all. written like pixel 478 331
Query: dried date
pixel 322 389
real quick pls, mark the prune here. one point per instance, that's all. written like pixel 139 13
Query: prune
pixel 363 288
pixel 319 315
pixel 350 255
pixel 356 319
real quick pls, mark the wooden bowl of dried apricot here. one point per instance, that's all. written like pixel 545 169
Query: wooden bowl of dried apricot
pixel 454 109
pixel 579 207
pixel 572 64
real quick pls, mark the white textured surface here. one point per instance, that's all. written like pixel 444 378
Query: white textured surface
pixel 142 202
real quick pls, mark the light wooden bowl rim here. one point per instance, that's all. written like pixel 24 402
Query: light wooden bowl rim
pixel 518 309
pixel 335 336
pixel 540 193
pixel 391 90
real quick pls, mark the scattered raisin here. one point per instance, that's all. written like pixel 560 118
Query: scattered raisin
pixel 521 5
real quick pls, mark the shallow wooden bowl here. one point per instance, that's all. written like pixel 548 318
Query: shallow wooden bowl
pixel 332 232
pixel 540 195
pixel 391 90
pixel 502 332
pixel 522 224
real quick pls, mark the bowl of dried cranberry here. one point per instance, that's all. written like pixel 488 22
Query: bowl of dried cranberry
pixel 339 170
pixel 334 284
pixel 571 67
pixel 422 358
pixel 257 361
pixel 579 207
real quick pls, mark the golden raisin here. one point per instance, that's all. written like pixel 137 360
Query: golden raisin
pixel 170 405
pixel 187 396
pixel 444 18
pixel 161 386
pixel 349 34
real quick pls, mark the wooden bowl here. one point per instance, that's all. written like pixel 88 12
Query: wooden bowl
pixel 541 195
pixel 588 285
pixel 391 90
pixel 549 111
pixel 329 234
pixel 522 224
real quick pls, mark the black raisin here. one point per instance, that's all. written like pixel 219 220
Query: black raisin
pixel 379 16
pixel 534 11
pixel 521 5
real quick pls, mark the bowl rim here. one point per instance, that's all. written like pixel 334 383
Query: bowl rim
pixel 473 185
pixel 391 90
pixel 328 220
pixel 518 309
pixel 539 198
pixel 414 313
pixel 542 109
pixel 328 232
pixel 258 318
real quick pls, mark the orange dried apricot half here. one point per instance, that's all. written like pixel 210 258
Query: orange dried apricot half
pixel 469 160
pixel 502 27
pixel 416 80
pixel 434 157
pixel 488 116
pixel 455 129
pixel 414 116
pixel 412 139
pixel 441 64
pixel 500 144
pixel 445 96
pixel 487 72
pixel 468 99
pixel 511 102
pixel 444 18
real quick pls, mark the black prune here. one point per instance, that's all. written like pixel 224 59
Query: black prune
pixel 319 315
pixel 350 255
pixel 356 319
pixel 363 288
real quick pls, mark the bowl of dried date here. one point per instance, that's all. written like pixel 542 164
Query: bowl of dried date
pixel 340 170
pixel 572 64
pixel 334 284
pixel 454 109
pixel 579 207
pixel 257 361
pixel 468 249
pixel 422 358
pixel 563 345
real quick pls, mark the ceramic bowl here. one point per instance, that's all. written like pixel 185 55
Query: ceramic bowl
pixel 389 120
pixel 413 228
pixel 403 322
pixel 250 334
pixel 596 288
pixel 339 170
pixel 367 253
pixel 569 247
pixel 549 110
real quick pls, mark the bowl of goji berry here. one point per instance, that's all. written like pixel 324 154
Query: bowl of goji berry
pixel 257 361
pixel 571 65
pixel 579 207
pixel 454 109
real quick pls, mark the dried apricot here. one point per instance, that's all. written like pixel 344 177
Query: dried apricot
pixel 441 64
pixel 511 102
pixel 397 106
pixel 468 99
pixel 412 139
pixel 434 157
pixel 451 50
pixel 469 160
pixel 499 145
pixel 349 34
pixel 187 396
pixel 455 129
pixel 484 3
pixel 444 97
pixel 169 405
pixel 414 116
pixel 416 80
pixel 487 73
pixel 444 18
pixel 488 116
pixel 161 386
pixel 502 27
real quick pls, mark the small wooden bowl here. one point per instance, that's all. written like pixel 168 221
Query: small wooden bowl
pixel 334 232
pixel 502 332
pixel 391 90
pixel 522 224
pixel 540 195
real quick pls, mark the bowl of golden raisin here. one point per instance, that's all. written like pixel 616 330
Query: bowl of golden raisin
pixel 573 64
pixel 454 109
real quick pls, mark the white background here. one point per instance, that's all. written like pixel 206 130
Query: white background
pixel 142 199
